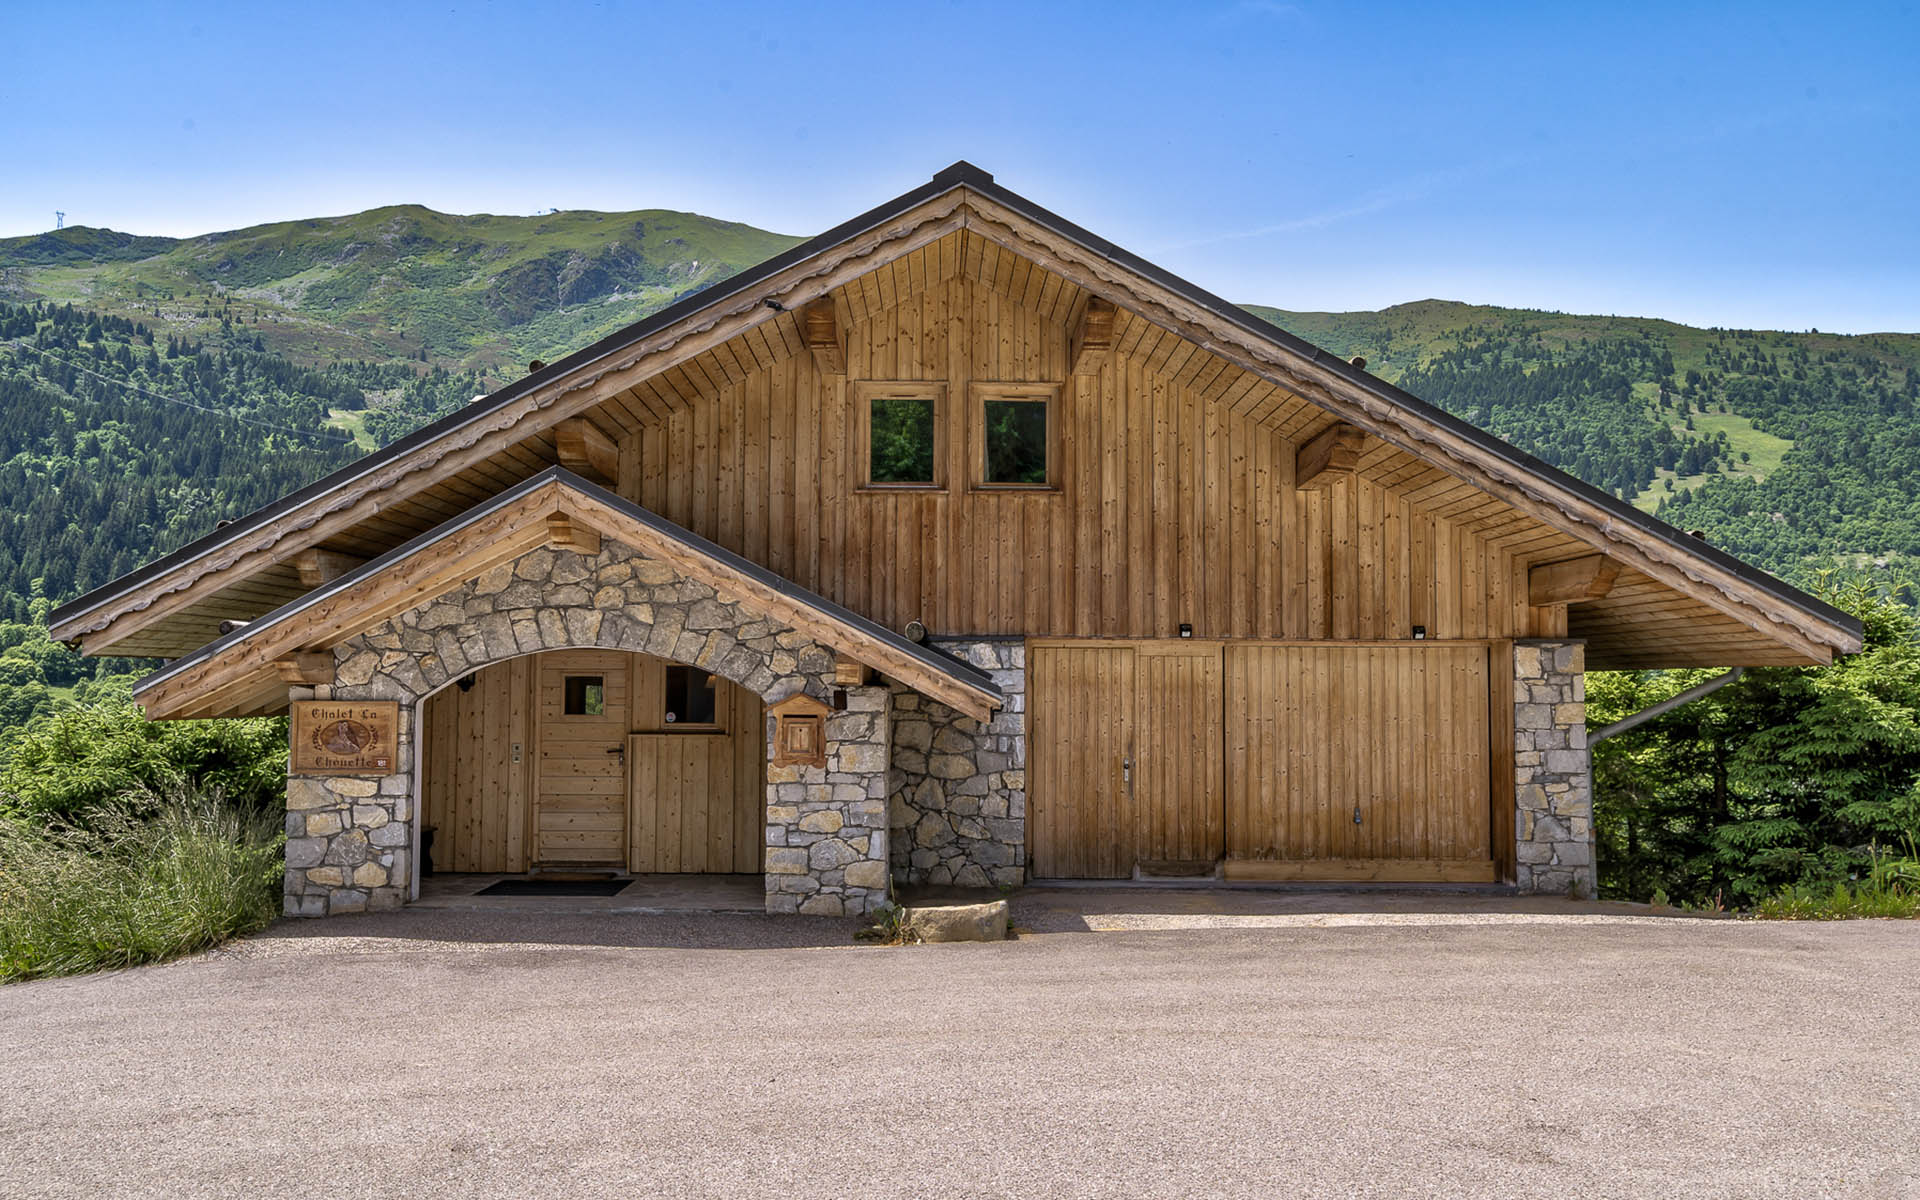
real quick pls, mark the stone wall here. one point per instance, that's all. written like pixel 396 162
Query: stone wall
pixel 1553 776
pixel 354 843
pixel 827 826
pixel 958 786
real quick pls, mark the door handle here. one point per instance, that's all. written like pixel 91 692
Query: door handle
pixel 1126 774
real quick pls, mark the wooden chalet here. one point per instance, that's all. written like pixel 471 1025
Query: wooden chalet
pixel 956 545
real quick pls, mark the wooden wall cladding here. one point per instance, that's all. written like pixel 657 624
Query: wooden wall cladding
pixel 1171 507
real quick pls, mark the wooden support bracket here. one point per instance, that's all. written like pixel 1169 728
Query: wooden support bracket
pixel 317 566
pixel 563 530
pixel 1331 456
pixel 1093 338
pixel 1571 581
pixel 849 673
pixel 306 668
pixel 822 330
pixel 583 449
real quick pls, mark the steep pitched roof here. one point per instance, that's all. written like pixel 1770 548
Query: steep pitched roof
pixel 963 196
pixel 236 674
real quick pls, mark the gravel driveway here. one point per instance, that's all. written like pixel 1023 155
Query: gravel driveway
pixel 462 1053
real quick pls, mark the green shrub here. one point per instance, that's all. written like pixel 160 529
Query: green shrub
pixel 1891 889
pixel 62 764
pixel 144 879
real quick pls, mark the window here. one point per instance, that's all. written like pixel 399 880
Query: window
pixel 900 424
pixel 1014 430
pixel 586 696
pixel 690 696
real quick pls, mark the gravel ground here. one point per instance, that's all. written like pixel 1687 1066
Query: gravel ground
pixel 477 1053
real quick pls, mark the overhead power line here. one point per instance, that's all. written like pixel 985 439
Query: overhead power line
pixel 218 412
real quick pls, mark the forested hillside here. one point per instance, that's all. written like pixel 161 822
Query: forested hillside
pixel 1794 450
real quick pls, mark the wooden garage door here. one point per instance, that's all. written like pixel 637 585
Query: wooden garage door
pixel 1173 755
pixel 1126 759
pixel 1358 762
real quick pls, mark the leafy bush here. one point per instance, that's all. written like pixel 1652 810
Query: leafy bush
pixel 79 756
pixel 142 880
pixel 1781 785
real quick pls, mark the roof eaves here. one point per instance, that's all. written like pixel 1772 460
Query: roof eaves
pixel 962 672
pixel 1521 461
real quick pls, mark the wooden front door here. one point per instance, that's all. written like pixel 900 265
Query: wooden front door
pixel 580 785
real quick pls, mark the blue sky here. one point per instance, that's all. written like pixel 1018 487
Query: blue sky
pixel 1751 165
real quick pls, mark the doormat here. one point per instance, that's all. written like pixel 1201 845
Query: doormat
pixel 555 887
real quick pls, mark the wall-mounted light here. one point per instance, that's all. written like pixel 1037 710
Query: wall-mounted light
pixel 1186 630
pixel 1419 633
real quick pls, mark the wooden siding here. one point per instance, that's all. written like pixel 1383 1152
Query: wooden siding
pixel 1179 792
pixel 1172 507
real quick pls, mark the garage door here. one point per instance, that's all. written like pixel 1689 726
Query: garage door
pixel 1288 761
pixel 1358 762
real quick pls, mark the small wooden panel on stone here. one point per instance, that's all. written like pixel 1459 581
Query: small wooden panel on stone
pixel 340 737
pixel 800 732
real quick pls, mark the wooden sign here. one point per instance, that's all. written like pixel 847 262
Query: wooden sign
pixel 800 732
pixel 344 737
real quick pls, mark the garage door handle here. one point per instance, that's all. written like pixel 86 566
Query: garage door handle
pixel 1126 774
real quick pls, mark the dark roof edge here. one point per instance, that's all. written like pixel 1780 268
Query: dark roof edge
pixel 1267 331
pixel 680 309
pixel 965 174
pixel 957 669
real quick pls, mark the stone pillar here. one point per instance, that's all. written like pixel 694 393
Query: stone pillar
pixel 1553 775
pixel 827 826
pixel 958 786
pixel 349 842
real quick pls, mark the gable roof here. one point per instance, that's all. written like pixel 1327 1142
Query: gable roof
pixel 965 196
pixel 223 676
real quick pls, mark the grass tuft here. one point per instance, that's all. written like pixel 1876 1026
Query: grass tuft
pixel 139 882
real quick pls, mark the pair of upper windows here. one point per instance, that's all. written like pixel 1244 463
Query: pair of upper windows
pixel 1010 434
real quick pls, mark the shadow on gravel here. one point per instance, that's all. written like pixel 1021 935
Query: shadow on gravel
pixel 685 931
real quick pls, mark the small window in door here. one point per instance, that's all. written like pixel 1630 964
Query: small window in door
pixel 586 696
pixel 690 696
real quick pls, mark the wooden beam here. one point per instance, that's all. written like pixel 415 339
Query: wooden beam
pixel 583 449
pixel 1093 337
pixel 317 566
pixel 822 329
pixel 309 668
pixel 563 530
pixel 1571 581
pixel 1330 457
pixel 849 672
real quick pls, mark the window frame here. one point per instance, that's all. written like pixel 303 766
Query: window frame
pixel 978 394
pixel 865 392
pixel 717 725
pixel 587 684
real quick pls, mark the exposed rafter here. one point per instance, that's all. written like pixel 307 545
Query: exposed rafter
pixel 584 450
pixel 1330 457
pixel 1093 336
pixel 1571 581
pixel 822 329
pixel 308 668
pixel 564 531
pixel 317 566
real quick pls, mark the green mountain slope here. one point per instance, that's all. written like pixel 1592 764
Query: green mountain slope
pixel 483 293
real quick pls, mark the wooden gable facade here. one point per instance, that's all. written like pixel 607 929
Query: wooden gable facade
pixel 1209 481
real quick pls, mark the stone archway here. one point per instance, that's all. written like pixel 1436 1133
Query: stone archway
pixel 352 840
